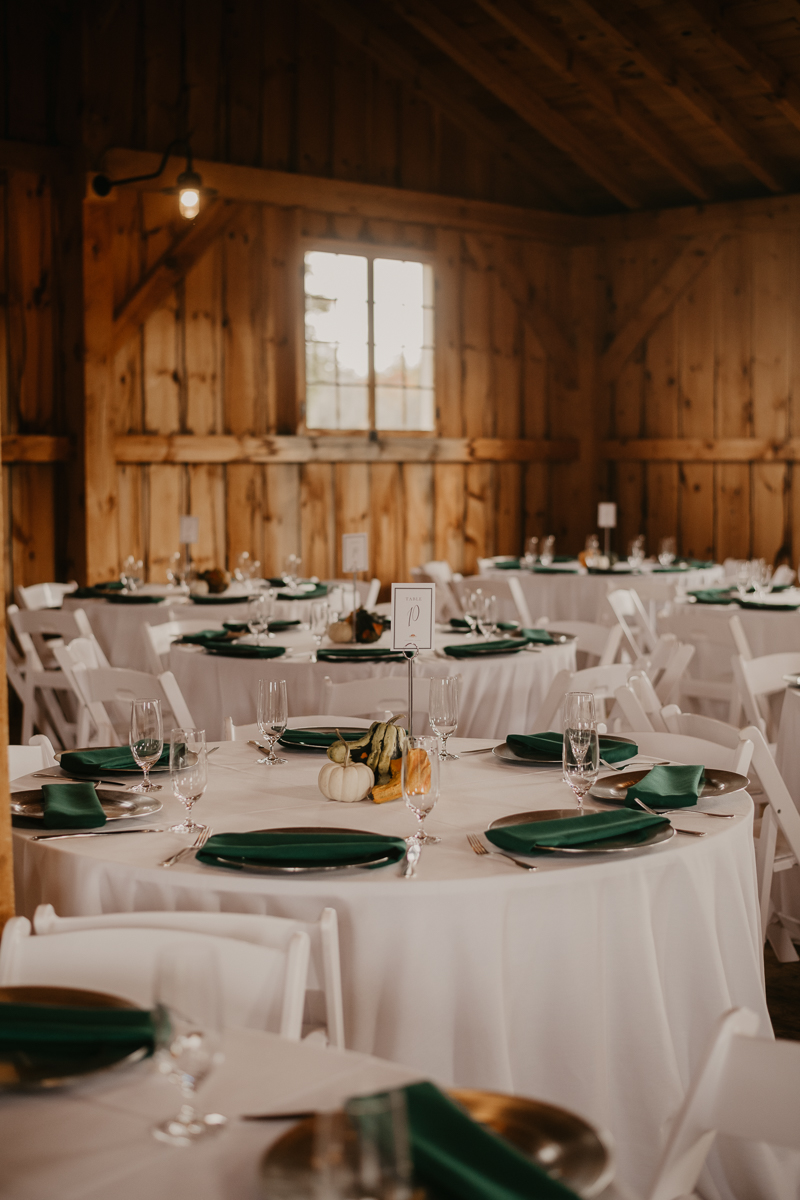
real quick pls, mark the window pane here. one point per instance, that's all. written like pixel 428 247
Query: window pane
pixel 336 341
pixel 389 408
pixel 403 323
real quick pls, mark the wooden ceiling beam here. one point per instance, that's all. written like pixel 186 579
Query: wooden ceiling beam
pixel 637 38
pixel 397 62
pixel 629 116
pixel 509 87
pixel 778 87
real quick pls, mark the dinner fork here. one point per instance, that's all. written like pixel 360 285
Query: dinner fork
pixel 197 844
pixel 478 847
pixel 688 832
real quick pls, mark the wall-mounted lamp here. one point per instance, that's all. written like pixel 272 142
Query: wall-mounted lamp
pixel 189 187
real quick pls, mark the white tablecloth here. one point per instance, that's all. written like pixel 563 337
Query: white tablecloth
pixel 497 694
pixel 581 597
pixel 594 984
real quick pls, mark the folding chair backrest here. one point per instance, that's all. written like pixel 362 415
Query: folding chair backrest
pixel 108 685
pixel 600 641
pixel 58 623
pixel 781 815
pixel 668 683
pixel 438 570
pixel 739 636
pixel 635 716
pixel 695 751
pixel 758 679
pixel 710 730
pixel 373 592
pixel 364 697
pixel 511 603
pixel 602 682
pixel 630 613
pixel 159 638
pixel 23 760
pixel 263 987
pixel 43 595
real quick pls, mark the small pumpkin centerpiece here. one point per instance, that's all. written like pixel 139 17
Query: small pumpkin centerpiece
pixel 341 631
pixel 345 780
pixel 217 580
pixel 379 751
pixel 369 626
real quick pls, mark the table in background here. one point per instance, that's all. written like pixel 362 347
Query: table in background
pixel 580 597
pixel 497 693
pixel 593 984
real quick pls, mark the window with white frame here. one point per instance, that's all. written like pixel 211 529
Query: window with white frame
pixel 369 343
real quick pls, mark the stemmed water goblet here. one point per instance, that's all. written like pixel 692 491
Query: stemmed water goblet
pixel 581 756
pixel 443 711
pixel 291 569
pixel 420 782
pixel 131 573
pixel 548 550
pixel 188 768
pixel 257 618
pixel 472 608
pixel 189 1023
pixel 487 617
pixel 531 552
pixel 320 619
pixel 272 715
pixel 636 553
pixel 146 739
pixel 667 551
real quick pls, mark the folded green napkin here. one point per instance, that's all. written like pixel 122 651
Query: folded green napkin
pixel 573 831
pixel 481 649
pixel 310 737
pixel 765 607
pixel 44 1032
pixel 562 558
pixel 237 650
pixel 698 564
pixel 541 636
pixel 202 638
pixel 71 806
pixel 713 596
pixel 460 623
pixel 667 787
pixel 360 654
pixel 278 626
pixel 219 599
pixel 98 591
pixel 610 570
pixel 105 758
pixel 133 598
pixel 320 590
pixel 508 564
pixel 540 570
pixel 277 581
pixel 454 1156
pixel 301 849
pixel 527 745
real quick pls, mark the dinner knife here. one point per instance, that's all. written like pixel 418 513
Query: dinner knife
pixel 49 837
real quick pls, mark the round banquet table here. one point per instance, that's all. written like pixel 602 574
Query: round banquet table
pixel 497 692
pixel 593 983
pixel 570 595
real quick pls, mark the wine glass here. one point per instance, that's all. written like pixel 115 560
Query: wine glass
pixel 667 551
pixel 420 781
pixel 548 550
pixel 531 552
pixel 581 757
pixel 443 711
pixel 636 552
pixel 188 768
pixel 188 1001
pixel 146 738
pixel 487 617
pixel 472 608
pixel 320 618
pixel 291 569
pixel 273 713
pixel 176 571
pixel 257 620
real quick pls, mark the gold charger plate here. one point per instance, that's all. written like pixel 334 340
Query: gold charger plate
pixel 716 782
pixel 155 770
pixel 116 805
pixel 640 840
pixel 16 1076
pixel 561 1143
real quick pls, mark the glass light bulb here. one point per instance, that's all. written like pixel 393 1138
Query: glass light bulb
pixel 189 202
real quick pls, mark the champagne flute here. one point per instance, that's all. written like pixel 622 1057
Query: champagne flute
pixel 420 781
pixel 531 552
pixel 667 551
pixel 487 617
pixel 256 617
pixel 319 624
pixel 472 610
pixel 291 569
pixel 188 767
pixel 581 756
pixel 189 1018
pixel 548 549
pixel 146 738
pixel 273 713
pixel 443 711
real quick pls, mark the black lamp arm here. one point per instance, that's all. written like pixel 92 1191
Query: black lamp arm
pixel 103 185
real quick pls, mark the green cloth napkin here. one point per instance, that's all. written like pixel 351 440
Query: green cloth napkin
pixel 201 638
pixel 698 564
pixel 360 654
pixel 105 758
pixel 237 650
pixel 609 571
pixel 541 636
pixel 761 607
pixel 71 806
pixel 481 649
pixel 455 1157
pixel 667 787
pixel 44 1032
pixel 552 744
pixel 301 849
pixel 98 591
pixel 133 598
pixel 310 737
pixel 219 599
pixel 713 596
pixel 573 831
pixel 509 564
pixel 320 590
pixel 540 570
pixel 460 623
pixel 275 626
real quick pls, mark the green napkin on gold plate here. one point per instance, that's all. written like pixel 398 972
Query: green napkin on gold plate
pixel 541 637
pixel 317 593
pixel 507 564
pixel 237 650
pixel 202 637
pixel 311 849
pixel 46 1032
pixel 71 806
pixel 551 745
pixel 133 598
pixel 573 831
pixel 104 758
pixel 674 786
pixel 713 596
pixel 312 737
pixel 459 623
pixel 482 649
pixel 359 654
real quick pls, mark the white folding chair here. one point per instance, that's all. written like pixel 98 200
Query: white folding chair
pixel 447 603
pixel 159 638
pixel 783 575
pixel 373 592
pixel 324 969
pixel 262 987
pixel 440 571
pixel 43 595
pixel 715 638
pixel 627 607
pixel 777 847
pixel 115 685
pixel 759 679
pixel 601 642
pixel 373 697
pixel 747 1087
pixel 511 602
pixel 640 706
pixel 23 760
pixel 243 733
pixel 696 725
pixel 602 682
pixel 682 748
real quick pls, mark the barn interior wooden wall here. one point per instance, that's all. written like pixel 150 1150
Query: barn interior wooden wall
pixel 648 359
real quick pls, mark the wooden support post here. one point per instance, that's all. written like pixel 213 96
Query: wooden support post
pixel 6 857
pixel 102 549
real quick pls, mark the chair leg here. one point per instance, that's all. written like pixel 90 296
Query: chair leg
pixel 765 860
pixel 780 940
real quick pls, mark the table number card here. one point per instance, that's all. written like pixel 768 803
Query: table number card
pixel 189 531
pixel 607 516
pixel 355 553
pixel 413 612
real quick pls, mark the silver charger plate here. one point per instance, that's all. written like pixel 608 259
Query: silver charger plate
pixel 156 770
pixel 618 845
pixel 116 805
pixel 270 869
pixel 506 754
pixel 319 729
pixel 716 783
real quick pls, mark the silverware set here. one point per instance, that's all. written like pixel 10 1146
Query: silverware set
pixel 197 844
pixel 477 847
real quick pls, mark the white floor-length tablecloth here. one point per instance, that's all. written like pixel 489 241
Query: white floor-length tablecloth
pixel 497 693
pixel 594 984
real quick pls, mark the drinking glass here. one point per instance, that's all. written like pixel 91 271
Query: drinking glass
pixel 131 573
pixel 188 769
pixel 763 579
pixel 581 758
pixel 487 617
pixel 189 1019
pixel 420 781
pixel 548 550
pixel 443 711
pixel 472 608
pixel 176 571
pixel 666 551
pixel 273 713
pixel 291 569
pixel 531 552
pixel 257 620
pixel 146 740
pixel 636 552
pixel 320 619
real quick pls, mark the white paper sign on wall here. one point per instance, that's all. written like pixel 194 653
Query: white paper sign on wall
pixel 606 516
pixel 190 531
pixel 355 553
pixel 413 612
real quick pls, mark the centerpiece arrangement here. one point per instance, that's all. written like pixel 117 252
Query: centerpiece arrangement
pixel 370 766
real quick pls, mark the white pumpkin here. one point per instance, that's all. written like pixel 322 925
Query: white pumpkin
pixel 347 781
